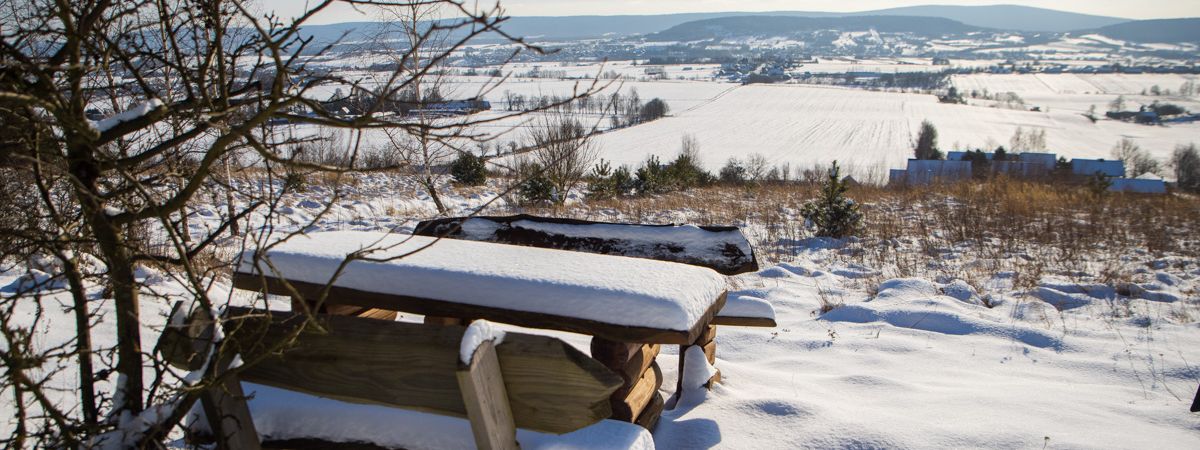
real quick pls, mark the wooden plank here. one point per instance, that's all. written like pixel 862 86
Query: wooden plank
pixel 445 321
pixel 744 321
pixel 648 419
pixel 552 387
pixel 486 400
pixel 629 402
pixel 440 308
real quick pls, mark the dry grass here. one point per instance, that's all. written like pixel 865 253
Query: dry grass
pixel 969 231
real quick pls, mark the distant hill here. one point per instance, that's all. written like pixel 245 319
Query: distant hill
pixel 767 26
pixel 1007 17
pixel 1163 30
pixel 1004 17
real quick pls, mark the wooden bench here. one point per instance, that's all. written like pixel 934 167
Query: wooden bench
pixel 536 383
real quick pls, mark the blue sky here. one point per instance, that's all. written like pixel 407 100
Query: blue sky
pixel 1134 9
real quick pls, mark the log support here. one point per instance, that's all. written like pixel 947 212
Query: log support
pixel 708 342
pixel 637 400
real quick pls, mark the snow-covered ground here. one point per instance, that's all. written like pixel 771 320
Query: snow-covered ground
pixel 860 358
pixel 920 364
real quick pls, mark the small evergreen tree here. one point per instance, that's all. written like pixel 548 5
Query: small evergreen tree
pixel 833 214
pixel 606 183
pixel 1098 184
pixel 653 178
pixel 469 170
pixel 536 187
pixel 927 147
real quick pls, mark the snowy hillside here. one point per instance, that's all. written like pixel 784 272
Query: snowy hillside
pixel 870 132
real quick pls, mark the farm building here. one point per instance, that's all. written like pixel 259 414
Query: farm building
pixel 1019 165
pixel 1089 167
pixel 1138 185
pixel 1024 169
pixel 922 172
pixel 1046 161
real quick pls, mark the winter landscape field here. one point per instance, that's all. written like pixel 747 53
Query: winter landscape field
pixel 221 237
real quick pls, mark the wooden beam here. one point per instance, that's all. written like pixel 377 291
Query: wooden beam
pixel 710 351
pixel 445 321
pixel 708 335
pixel 629 402
pixel 639 363
pixel 648 419
pixel 483 394
pixel 744 321
pixel 185 346
pixel 613 353
pixel 552 387
pixel 441 308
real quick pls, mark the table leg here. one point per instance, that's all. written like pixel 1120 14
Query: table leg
pixel 635 400
pixel 707 341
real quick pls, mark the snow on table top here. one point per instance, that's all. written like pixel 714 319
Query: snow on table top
pixel 607 289
pixel 696 242
pixel 747 306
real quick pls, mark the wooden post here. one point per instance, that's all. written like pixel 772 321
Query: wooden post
pixel 229 415
pixel 707 341
pixel 486 400
pixel 186 347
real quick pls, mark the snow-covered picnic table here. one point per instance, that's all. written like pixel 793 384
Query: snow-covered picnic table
pixel 616 298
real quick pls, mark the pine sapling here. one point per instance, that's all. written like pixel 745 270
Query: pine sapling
pixel 832 213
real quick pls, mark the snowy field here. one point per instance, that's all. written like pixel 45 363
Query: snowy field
pixel 804 126
pixel 871 131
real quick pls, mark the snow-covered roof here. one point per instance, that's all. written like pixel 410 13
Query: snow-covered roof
pixel 607 289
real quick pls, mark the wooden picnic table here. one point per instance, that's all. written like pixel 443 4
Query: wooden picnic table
pixel 630 306
pixel 621 299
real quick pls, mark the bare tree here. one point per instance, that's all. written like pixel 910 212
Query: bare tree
pixel 118 119
pixel 1138 162
pixel 563 151
pixel 415 26
pixel 1186 161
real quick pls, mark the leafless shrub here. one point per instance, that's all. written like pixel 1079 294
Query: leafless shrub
pixel 191 90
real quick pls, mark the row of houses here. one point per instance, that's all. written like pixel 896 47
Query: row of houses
pixel 960 166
